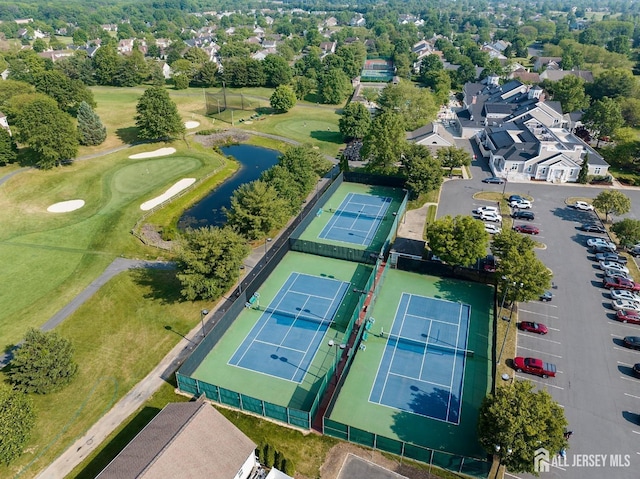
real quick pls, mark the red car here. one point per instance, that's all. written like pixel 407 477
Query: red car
pixel 534 366
pixel 533 327
pixel 610 282
pixel 527 229
pixel 626 316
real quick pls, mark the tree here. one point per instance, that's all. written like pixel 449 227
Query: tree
pixel 90 129
pixel 424 172
pixel 157 116
pixel 17 419
pixel 277 70
pixel 39 45
pixel 613 83
pixel 603 118
pixel 207 75
pixel 303 86
pixel 355 121
pixel 517 420
pixel 43 363
pixel 283 99
pixel 209 261
pixel 383 145
pixel 569 91
pixel 583 174
pixel 526 276
pixel 48 131
pixel 452 157
pixel 417 106
pixel 180 81
pixel 105 63
pixel 68 93
pixel 627 231
pixel 630 109
pixel 8 148
pixel 334 87
pixel 612 201
pixel 459 241
pixel 256 209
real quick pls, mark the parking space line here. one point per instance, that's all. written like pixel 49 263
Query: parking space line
pixel 541 339
pixel 546 303
pixel 539 314
pixel 553 329
pixel 623 325
pixel 636 432
pixel 539 382
pixel 541 352
pixel 629 379
pixel 631 395
pixel 626 349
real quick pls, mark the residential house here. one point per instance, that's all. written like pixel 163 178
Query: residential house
pixel 524 76
pixel 55 55
pixel 433 135
pixel 258 32
pixel 557 75
pixel 186 440
pixel 21 33
pixel 166 70
pixel 423 46
pixel 493 52
pixel 546 62
pixel 110 27
pixel 4 123
pixel 23 21
pixel 163 43
pixel 125 46
pixel 328 47
pixel 269 44
pixel 330 22
pixel 406 18
pixel 357 20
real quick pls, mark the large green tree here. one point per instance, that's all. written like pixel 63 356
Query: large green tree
pixel 423 171
pixel 612 202
pixel 43 363
pixel 283 98
pixel 516 421
pixel 67 92
pixel 90 129
pixel 17 419
pixel 603 118
pixel 417 106
pixel 48 131
pixel 209 261
pixel 459 241
pixel 613 83
pixel 334 86
pixel 569 91
pixel 452 157
pixel 277 70
pixel 8 148
pixel 157 116
pixel 627 231
pixel 384 144
pixel 355 121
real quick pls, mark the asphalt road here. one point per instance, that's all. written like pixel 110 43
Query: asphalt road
pixel 594 384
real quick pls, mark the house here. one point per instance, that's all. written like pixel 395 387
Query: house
pixel 166 70
pixel 23 21
pixel 109 27
pixel 125 45
pixel 433 135
pixel 421 47
pixel 258 32
pixel 524 76
pixel 22 32
pixel 4 123
pixel 269 44
pixel 186 440
pixel 55 55
pixel 357 20
pixel 557 75
pixel 543 62
pixel 330 22
pixel 328 47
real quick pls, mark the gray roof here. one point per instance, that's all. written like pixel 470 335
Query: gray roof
pixel 185 440
pixel 501 139
pixel 503 108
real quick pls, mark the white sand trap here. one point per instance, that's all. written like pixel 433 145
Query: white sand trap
pixel 174 190
pixel 65 206
pixel 191 124
pixel 153 154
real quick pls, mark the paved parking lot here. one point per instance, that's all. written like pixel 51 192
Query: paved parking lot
pixel 594 383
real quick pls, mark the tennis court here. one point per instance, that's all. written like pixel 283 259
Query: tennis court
pixel 357 219
pixel 287 335
pixel 424 353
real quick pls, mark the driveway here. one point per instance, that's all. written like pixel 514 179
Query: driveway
pixel 594 385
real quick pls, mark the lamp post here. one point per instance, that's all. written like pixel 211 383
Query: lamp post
pixel 504 188
pixel 266 240
pixel 203 313
pixel 504 341
pixel 499 452
pixel 332 344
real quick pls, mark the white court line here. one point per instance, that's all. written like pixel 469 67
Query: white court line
pixel 539 382
pixel 541 352
pixel 539 314
pixel 279 346
pixel 419 380
pixel 395 348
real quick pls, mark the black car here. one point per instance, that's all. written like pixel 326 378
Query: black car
pixel 593 228
pixel 489 264
pixel 601 249
pixel 546 296
pixel 632 342
pixel 523 215
pixel 636 370
pixel 493 180
pixel 516 198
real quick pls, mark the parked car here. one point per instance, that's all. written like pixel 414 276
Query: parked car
pixel 613 266
pixel 527 229
pixel 593 228
pixel 628 316
pixel 521 204
pixel 546 296
pixel 632 342
pixel 625 304
pixel 602 249
pixel 601 242
pixel 636 370
pixel 532 327
pixel 635 251
pixel 619 282
pixel 523 215
pixel 535 366
pixel 516 198
pixel 490 216
pixel 492 229
pixel 616 274
pixel 487 209
pixel 624 294
pixel 489 263
pixel 582 205
pixel 494 180
pixel 616 258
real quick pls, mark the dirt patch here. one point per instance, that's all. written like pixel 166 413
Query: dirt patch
pixel 222 138
pixel 338 453
pixel 151 236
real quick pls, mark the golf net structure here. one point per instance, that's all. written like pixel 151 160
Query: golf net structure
pixel 310 317
pixel 430 347
pixel 221 104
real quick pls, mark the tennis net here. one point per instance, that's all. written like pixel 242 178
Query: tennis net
pixel 431 347
pixel 358 214
pixel 310 317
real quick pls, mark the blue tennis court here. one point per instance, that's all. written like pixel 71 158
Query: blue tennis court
pixel 357 219
pixel 422 367
pixel 287 335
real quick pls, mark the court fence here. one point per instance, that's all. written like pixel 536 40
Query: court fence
pixel 436 268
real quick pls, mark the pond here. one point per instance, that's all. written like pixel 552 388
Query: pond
pixel 208 212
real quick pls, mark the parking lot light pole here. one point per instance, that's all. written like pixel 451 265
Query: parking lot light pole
pixel 504 341
pixel 203 313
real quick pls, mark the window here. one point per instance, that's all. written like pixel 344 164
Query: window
pixel 596 171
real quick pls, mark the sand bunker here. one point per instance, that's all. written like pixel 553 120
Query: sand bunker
pixel 191 124
pixel 65 206
pixel 174 190
pixel 153 154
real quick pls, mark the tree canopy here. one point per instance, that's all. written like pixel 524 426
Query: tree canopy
pixel 90 129
pixel 17 419
pixel 355 121
pixel 43 363
pixel 459 241
pixel 603 118
pixel 452 157
pixel 627 231
pixel 157 116
pixel 283 98
pixel 423 171
pixel 416 106
pixel 612 202
pixel 383 145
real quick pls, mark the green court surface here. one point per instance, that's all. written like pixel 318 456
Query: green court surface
pixel 215 370
pixel 353 407
pixel 316 226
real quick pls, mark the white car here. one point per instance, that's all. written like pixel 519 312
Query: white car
pixel 601 243
pixel 490 216
pixel 625 304
pixel 613 266
pixel 487 209
pixel 492 229
pixel 624 294
pixel 521 204
pixel 582 205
